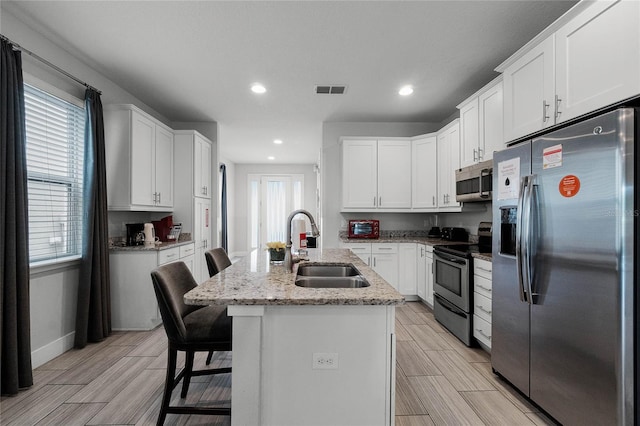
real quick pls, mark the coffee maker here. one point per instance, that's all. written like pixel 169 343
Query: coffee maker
pixel 135 234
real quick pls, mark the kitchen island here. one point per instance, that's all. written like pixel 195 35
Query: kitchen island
pixel 304 356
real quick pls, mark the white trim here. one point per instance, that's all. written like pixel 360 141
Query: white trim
pixel 51 350
pixel 37 268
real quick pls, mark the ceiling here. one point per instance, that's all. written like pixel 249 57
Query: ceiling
pixel 196 60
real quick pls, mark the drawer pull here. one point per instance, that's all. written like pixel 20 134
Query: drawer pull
pixel 483 309
pixel 483 269
pixel 171 255
pixel 484 288
pixel 483 333
pixel 385 248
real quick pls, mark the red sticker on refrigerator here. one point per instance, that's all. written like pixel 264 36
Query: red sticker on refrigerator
pixel 569 186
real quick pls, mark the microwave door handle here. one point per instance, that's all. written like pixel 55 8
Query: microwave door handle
pixel 484 173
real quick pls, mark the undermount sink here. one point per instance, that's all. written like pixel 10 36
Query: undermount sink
pixel 315 270
pixel 332 282
pixel 330 276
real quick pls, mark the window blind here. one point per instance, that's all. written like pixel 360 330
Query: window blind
pixel 55 153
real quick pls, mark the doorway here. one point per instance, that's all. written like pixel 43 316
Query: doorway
pixel 271 199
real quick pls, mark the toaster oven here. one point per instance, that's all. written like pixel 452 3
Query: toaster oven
pixel 364 229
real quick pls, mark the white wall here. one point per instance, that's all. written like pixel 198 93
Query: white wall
pixel 240 234
pixel 53 293
pixel 332 220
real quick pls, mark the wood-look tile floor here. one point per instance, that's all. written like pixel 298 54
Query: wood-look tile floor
pixel 120 381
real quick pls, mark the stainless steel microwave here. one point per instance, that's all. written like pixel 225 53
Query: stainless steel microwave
pixel 473 183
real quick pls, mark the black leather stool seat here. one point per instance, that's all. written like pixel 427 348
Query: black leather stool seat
pixel 208 324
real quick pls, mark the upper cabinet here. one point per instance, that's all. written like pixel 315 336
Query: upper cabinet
pixel 425 173
pixel 589 62
pixel 201 166
pixel 139 159
pixel 448 147
pixel 376 174
pixel 481 124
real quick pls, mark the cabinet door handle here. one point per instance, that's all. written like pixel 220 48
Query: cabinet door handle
pixel 380 201
pixel 558 112
pixel 374 201
pixel 483 333
pixel 480 154
pixel 433 200
pixel 545 106
pixel 483 309
pixel 374 262
pixel 474 155
pixel 484 288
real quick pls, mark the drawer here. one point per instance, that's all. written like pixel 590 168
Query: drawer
pixel 482 331
pixel 429 249
pixel 358 248
pixel 384 248
pixel 187 250
pixel 482 285
pixel 168 255
pixel 482 306
pixel 482 268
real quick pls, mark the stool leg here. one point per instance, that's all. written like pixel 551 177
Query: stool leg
pixel 188 368
pixel 168 384
pixel 209 357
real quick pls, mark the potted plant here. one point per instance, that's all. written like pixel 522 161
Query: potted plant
pixel 276 251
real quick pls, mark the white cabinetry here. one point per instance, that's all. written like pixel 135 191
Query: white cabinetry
pixel 193 200
pixel 482 301
pixel 481 124
pixel 139 159
pixel 384 257
pixel 448 161
pixel 376 174
pixel 591 61
pixel 425 173
pixel 381 257
pixel 529 91
pixel 201 166
pixel 407 269
pixel 424 255
pixel 133 301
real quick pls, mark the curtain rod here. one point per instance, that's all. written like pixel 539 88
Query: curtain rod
pixel 49 64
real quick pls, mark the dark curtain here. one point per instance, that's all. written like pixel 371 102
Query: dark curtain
pixel 223 209
pixel 93 317
pixel 15 340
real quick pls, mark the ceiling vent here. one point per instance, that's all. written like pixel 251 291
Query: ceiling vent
pixel 331 90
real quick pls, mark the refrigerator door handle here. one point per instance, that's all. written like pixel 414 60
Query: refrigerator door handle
pixel 528 236
pixel 521 239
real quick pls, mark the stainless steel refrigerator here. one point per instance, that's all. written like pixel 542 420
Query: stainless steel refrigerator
pixel 564 215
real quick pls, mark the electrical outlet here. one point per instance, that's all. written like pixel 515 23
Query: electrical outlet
pixel 325 361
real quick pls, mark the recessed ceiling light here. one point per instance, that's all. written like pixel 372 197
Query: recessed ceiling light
pixel 405 90
pixel 277 141
pixel 258 88
pixel 271 157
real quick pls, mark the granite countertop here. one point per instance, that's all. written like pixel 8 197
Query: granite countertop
pixel 158 247
pixel 253 280
pixel 404 239
pixel 483 256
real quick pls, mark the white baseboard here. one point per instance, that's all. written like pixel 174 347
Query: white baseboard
pixel 51 350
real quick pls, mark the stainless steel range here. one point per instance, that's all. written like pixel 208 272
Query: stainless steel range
pixel 453 282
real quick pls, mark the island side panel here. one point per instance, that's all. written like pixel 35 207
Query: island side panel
pixel 359 391
pixel 246 364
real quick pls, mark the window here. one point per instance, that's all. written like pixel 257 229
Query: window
pixel 55 153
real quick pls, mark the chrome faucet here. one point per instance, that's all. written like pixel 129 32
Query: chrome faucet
pixel 289 260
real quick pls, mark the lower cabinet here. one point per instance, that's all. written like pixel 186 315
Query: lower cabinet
pixel 384 258
pixel 133 301
pixel 424 277
pixel 482 301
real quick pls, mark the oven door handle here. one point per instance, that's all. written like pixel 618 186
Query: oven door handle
pixel 450 306
pixel 451 259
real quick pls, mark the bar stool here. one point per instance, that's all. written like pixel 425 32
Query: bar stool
pixel 190 329
pixel 217 260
